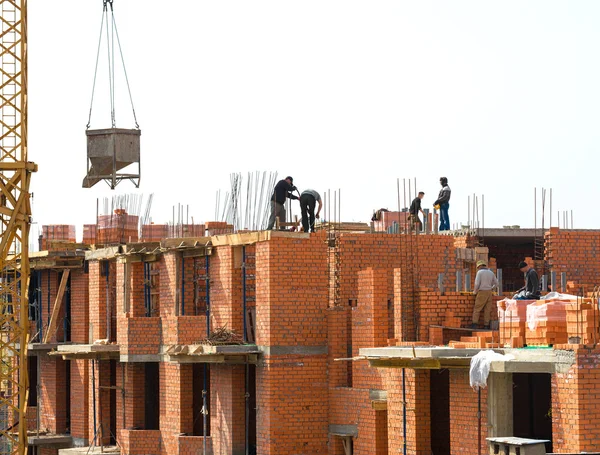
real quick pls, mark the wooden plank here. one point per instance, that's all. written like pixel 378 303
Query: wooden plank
pixel 57 305
pixel 379 405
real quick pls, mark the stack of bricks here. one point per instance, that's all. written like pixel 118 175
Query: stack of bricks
pixel 119 227
pixel 480 340
pixel 512 317
pixel 550 323
pixel 55 234
pixel 218 228
pixel 582 321
pixel 154 232
pixel 89 234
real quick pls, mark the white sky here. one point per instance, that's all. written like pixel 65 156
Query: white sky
pixel 500 97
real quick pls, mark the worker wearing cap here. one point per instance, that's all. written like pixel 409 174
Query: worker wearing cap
pixel 308 200
pixel 282 190
pixel 485 283
pixel 531 290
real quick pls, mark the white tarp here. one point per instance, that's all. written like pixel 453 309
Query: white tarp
pixel 480 367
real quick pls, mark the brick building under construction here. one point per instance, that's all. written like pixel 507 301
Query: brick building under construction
pixel 338 342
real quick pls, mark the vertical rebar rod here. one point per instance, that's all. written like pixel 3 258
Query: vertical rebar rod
pixel 244 294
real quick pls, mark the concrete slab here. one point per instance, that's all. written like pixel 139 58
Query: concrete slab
pixel 87 450
pixel 526 360
pixel 343 430
pixel 87 351
pixel 50 440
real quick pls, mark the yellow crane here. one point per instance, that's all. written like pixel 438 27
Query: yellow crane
pixel 15 221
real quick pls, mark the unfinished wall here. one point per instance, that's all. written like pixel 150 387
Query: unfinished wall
pixel 291 289
pixel 575 253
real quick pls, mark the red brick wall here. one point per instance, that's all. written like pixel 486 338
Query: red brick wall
pixel 102 380
pixel 227 409
pixel 226 288
pixel 97 294
pixel 418 435
pixel 463 415
pixel 80 395
pixel 427 255
pixel 176 403
pixel 141 336
pixel 574 252
pixel 79 306
pixel 575 405
pixel 139 442
pixel 133 409
pixel 369 325
pixel 53 397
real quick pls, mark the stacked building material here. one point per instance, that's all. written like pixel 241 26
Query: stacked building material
pixel 479 340
pixel 218 228
pixel 89 234
pixel 512 317
pixel 54 234
pixel 119 227
pixel 546 323
pixel 583 321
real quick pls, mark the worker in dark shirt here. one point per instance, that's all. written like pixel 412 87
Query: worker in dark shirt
pixel 282 190
pixel 443 203
pixel 415 208
pixel 531 290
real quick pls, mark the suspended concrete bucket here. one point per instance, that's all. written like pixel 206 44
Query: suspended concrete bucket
pixel 110 150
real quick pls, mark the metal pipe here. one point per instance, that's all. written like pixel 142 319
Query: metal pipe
pixel 553 280
pixel 458 280
pixel 404 447
pixel 94 399
pixel 479 420
pixel 244 299
pixel 563 282
pixel 182 285
pixel 207 280
pixel 247 414
pixel 38 302
pixel 499 277
pixel 107 270
pixel 544 283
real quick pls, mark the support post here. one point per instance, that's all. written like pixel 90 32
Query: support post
pixel 499 277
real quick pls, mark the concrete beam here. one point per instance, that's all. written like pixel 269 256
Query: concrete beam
pixel 500 404
pixel 343 430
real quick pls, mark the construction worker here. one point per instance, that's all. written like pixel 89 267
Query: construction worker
pixel 308 200
pixel 531 290
pixel 485 283
pixel 443 201
pixel 282 190
pixel 415 208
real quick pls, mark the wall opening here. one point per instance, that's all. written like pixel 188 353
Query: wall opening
pixel 439 390
pixel 32 371
pixel 199 371
pixel 151 396
pixel 113 402
pixel 508 252
pixel 251 385
pixel 532 406
pixel 68 396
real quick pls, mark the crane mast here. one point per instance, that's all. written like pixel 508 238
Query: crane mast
pixel 15 220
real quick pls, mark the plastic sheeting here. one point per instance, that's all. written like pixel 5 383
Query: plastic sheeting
pixel 480 367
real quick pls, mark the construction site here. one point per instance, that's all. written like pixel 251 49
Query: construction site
pixel 216 342
pixel 260 333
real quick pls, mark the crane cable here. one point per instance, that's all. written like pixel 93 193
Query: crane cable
pixel 111 63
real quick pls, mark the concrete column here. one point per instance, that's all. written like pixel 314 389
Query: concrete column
pixel 500 405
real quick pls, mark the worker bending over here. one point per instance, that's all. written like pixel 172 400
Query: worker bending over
pixel 282 190
pixel 308 201
pixel 415 208
pixel 485 283
pixel 443 201
pixel 531 290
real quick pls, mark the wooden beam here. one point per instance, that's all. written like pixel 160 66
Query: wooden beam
pixel 57 305
pixel 398 362
pixel 379 405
